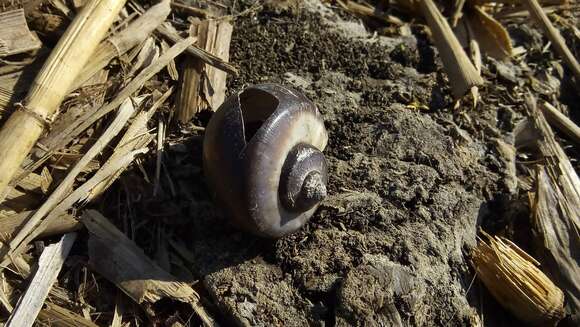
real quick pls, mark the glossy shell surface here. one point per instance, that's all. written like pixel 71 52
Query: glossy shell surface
pixel 243 162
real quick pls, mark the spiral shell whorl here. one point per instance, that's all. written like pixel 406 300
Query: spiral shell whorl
pixel 304 177
pixel 283 173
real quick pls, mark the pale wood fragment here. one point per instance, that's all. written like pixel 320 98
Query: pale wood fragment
pixel 167 31
pixel 554 36
pixel 462 73
pixel 121 261
pixel 214 86
pixel 15 37
pixel 49 266
pixel 189 97
pixel 5 293
pixel 204 86
pixel 171 67
pixel 24 127
pixel 171 35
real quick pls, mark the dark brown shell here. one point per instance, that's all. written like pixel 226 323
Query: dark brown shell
pixel 243 170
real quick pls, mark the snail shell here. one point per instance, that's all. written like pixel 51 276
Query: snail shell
pixel 263 161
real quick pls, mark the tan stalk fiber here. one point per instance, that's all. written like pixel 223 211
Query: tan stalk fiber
pixel 204 86
pixel 513 278
pixel 16 245
pixel 123 41
pixel 49 265
pixel 24 127
pixel 555 208
pixel 560 121
pixel 554 36
pixel 15 37
pixel 462 74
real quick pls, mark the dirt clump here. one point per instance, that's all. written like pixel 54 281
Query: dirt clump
pixel 406 188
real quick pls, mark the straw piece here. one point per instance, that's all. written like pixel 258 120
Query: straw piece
pixel 16 245
pixel 462 74
pixel 15 37
pixel 24 127
pixel 94 114
pixel 122 262
pixel 62 224
pixel 191 10
pixel 560 121
pixel 492 37
pixel 121 42
pixel 54 315
pixel 512 277
pixel 555 208
pixel 49 266
pixel 554 36
pixel 204 86
pixel 367 11
pixel 171 35
pixel 167 31
pixel 136 137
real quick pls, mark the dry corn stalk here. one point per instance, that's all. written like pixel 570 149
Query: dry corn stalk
pixel 513 278
pixel 462 73
pixel 24 127
pixel 204 86
pixel 555 208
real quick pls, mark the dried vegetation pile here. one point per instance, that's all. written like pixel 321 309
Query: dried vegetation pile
pixel 89 89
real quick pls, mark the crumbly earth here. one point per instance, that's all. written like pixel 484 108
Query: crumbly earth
pixel 411 179
pixel 388 246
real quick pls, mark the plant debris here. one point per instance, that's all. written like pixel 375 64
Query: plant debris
pixel 434 143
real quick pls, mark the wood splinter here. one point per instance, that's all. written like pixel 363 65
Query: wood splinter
pixel 204 86
pixel 49 265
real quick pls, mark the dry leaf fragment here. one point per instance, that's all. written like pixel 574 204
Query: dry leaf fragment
pixel 492 37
